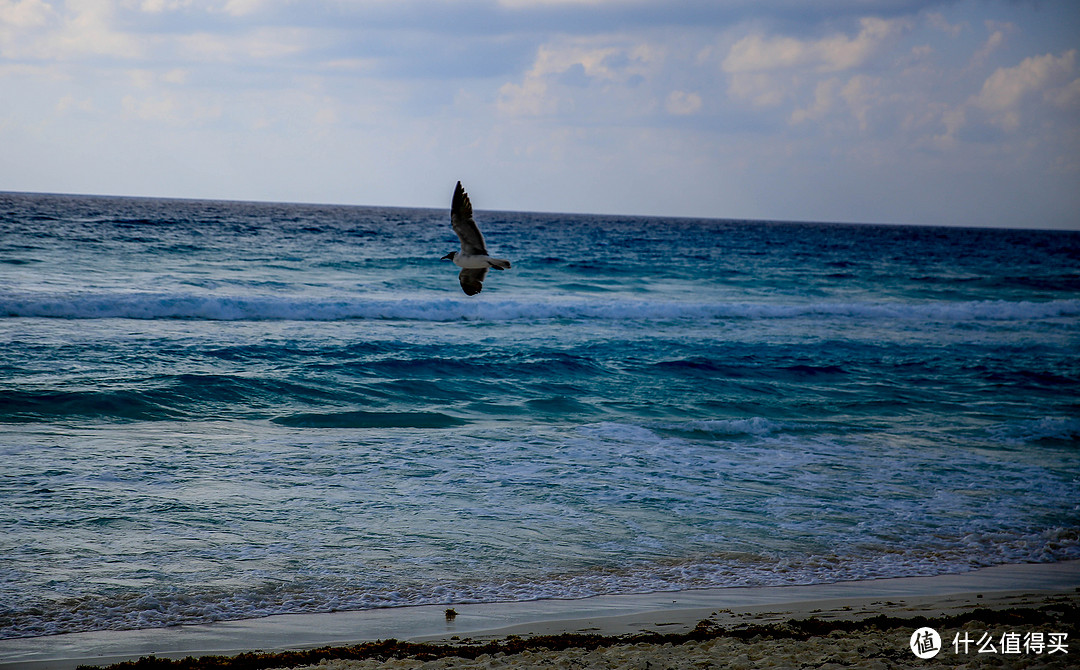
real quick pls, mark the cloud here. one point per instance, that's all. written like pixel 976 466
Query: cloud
pixel 758 53
pixel 35 30
pixel 243 7
pixel 763 89
pixel 862 95
pixel 1037 78
pixel 771 71
pixel 601 101
pixel 529 98
pixel 24 13
pixel 1008 86
pixel 168 109
pixel 1066 97
pixel 997 33
pixel 682 103
pixel 70 103
pixel 260 44
pixel 938 21
pixel 568 70
pixel 825 96
pixel 858 98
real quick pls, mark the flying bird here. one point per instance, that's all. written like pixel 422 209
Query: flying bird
pixel 473 258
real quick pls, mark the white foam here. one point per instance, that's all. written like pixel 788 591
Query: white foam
pixel 756 425
pixel 1034 430
pixel 147 305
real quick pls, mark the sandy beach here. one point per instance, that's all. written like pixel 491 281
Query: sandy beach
pixel 864 633
pixel 1016 614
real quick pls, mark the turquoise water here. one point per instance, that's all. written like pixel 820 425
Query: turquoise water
pixel 225 410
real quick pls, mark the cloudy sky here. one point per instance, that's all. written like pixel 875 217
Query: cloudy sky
pixel 903 111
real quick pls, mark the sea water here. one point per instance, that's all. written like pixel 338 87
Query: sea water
pixel 221 410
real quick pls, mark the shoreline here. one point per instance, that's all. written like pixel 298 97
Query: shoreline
pixel 1028 586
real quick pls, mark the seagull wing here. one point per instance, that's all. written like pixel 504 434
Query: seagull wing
pixel 472 280
pixel 472 242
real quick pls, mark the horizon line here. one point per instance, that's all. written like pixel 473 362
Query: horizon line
pixel 515 211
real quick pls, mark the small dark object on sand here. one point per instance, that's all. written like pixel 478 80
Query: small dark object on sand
pixel 450 613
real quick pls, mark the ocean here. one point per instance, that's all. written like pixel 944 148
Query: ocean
pixel 226 410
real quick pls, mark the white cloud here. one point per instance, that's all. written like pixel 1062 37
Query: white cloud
pixel 1020 100
pixel 763 89
pixel 597 57
pixel 168 109
pixel 530 98
pixel 681 103
pixel 1007 88
pixel 149 109
pixel 144 78
pixel 243 7
pixel 326 116
pixel 25 13
pixel 21 23
pixel 1066 97
pixel 862 95
pixel 69 102
pixel 178 76
pixel 1008 85
pixel 602 63
pixel 994 41
pixel 954 119
pixel 258 44
pixel 771 71
pixel 33 30
pixel 758 53
pixel 938 21
pixel 89 30
pixel 159 6
pixel 856 98
pixel 823 103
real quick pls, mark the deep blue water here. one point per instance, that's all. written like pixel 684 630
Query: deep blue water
pixel 218 410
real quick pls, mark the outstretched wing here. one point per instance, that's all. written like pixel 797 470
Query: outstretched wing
pixel 472 242
pixel 472 280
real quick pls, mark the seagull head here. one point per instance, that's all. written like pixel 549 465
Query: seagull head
pixel 449 256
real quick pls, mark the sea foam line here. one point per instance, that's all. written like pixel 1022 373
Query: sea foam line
pixel 143 305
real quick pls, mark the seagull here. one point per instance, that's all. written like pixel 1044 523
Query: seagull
pixel 473 258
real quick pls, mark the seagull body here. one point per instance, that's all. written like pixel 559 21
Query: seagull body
pixel 473 259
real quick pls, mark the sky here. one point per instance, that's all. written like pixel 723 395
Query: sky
pixel 880 111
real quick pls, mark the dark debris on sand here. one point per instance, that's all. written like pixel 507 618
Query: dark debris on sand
pixel 1065 616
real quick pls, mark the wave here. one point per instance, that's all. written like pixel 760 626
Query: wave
pixel 321 591
pixel 1046 430
pixel 144 305
pixel 50 405
pixel 166 398
pixel 754 426
pixel 702 367
pixel 362 419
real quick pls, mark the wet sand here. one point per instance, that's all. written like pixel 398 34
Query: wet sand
pixel 864 633
pixel 853 624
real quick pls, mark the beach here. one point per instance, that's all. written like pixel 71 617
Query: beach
pixel 236 426
pixel 863 633
pixel 857 624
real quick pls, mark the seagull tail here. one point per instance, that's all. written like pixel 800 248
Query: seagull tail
pixel 499 263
